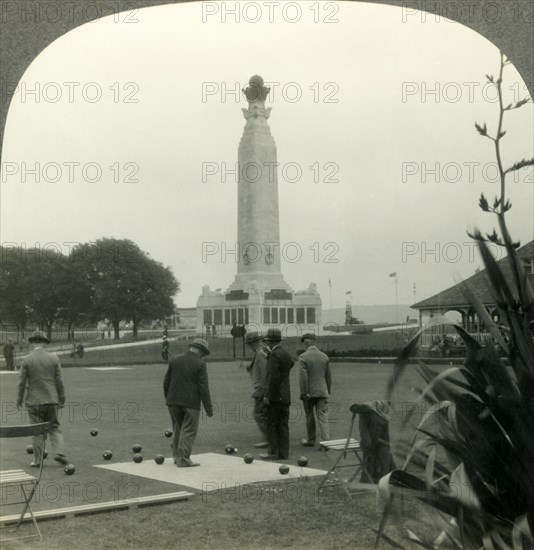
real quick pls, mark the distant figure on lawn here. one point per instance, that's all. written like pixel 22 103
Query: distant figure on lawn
pixel 257 370
pixel 77 350
pixel 185 386
pixel 40 375
pixel 165 353
pixel 9 350
pixel 277 396
pixel 315 385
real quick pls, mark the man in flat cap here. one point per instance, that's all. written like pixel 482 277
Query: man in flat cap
pixel 42 382
pixel 277 396
pixel 185 386
pixel 315 384
pixel 257 370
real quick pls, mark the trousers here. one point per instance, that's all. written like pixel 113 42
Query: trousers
pixel 184 429
pixel 259 416
pixel 46 413
pixel 319 405
pixel 277 422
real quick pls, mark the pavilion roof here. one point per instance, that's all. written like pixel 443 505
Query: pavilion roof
pixel 478 283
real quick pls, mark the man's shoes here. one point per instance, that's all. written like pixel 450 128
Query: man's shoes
pixel 187 464
pixel 62 459
pixel 268 456
pixel 262 445
pixel 307 443
pixel 35 464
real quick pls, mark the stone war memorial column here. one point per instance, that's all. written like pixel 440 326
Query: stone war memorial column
pixel 258 227
pixel 259 297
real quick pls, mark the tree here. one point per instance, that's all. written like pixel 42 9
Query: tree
pixel 125 283
pixel 14 287
pixel 45 291
pixel 75 299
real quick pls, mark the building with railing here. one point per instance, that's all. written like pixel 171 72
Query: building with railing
pixel 454 300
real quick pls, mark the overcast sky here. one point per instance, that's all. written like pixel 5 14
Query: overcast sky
pixel 145 97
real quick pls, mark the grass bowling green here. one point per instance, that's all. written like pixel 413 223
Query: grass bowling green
pixel 126 407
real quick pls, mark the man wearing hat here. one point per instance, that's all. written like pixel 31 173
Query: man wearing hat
pixel 41 378
pixel 315 385
pixel 185 386
pixel 257 370
pixel 277 397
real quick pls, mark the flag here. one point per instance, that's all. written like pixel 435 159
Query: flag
pixel 393 274
pixel 329 283
pixel 348 292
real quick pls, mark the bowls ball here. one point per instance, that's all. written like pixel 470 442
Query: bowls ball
pixel 137 448
pixel 302 461
pixel 230 449
pixel 159 459
pixel 284 469
pixel 107 455
pixel 248 458
pixel 137 458
pixel 69 469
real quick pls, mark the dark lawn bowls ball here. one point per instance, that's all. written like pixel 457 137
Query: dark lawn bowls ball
pixel 137 458
pixel 137 448
pixel 168 433
pixel 29 449
pixel 69 469
pixel 302 461
pixel 159 459
pixel 230 449
pixel 284 469
pixel 107 455
pixel 248 458
pixel 94 432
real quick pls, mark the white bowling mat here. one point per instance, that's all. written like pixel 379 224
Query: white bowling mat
pixel 216 471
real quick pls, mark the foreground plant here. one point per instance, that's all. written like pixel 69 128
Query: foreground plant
pixel 472 456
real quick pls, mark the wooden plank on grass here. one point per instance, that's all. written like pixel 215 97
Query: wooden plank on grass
pixel 100 507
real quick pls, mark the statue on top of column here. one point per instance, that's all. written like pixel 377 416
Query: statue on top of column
pixel 256 91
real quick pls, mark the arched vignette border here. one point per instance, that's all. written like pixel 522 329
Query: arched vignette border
pixel 21 42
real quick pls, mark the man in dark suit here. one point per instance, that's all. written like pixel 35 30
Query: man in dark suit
pixel 9 356
pixel 277 396
pixel 185 386
pixel 40 375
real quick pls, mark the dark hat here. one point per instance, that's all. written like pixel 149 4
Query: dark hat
pixel 308 336
pixel 252 336
pixel 38 336
pixel 273 335
pixel 201 344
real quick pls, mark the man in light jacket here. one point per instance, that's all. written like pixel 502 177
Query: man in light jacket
pixel 40 375
pixel 315 385
pixel 258 372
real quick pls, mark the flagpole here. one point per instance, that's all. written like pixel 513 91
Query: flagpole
pixel 331 308
pixel 394 274
pixel 396 299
